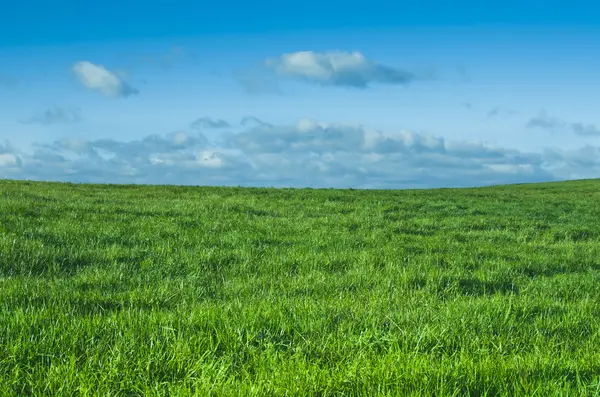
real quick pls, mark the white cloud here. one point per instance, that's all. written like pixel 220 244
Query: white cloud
pixel 8 160
pixel 98 78
pixel 338 68
pixel 309 153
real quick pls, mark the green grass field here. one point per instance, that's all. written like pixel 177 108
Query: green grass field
pixel 151 291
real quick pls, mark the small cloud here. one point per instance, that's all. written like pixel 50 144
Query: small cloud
pixel 463 74
pixel 493 112
pixel 251 121
pixel 98 78
pixel 347 69
pixel 501 112
pixel 585 129
pixel 8 157
pixel 56 115
pixel 207 122
pixel 546 122
pixel 8 160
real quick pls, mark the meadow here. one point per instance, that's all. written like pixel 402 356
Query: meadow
pixel 109 290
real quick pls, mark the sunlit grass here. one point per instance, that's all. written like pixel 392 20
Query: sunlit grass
pixel 139 290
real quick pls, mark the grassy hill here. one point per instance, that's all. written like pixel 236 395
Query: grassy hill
pixel 147 290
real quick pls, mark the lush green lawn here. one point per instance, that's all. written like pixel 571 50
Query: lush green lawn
pixel 125 290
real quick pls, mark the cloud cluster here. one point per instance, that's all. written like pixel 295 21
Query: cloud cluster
pixel 552 124
pixel 98 78
pixel 55 115
pixel 307 154
pixel 349 69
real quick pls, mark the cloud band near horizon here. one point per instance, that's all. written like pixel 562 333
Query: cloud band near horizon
pixel 307 154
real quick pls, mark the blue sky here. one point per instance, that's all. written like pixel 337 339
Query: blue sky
pixel 332 94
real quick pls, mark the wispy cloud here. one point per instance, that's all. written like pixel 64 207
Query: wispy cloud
pixel 499 111
pixel 544 121
pixel 585 129
pixel 166 60
pixel 98 78
pixel 251 121
pixel 254 82
pixel 347 69
pixel 209 123
pixel 55 115
pixel 553 124
pixel 308 153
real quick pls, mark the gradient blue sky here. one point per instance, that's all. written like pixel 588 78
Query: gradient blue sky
pixel 496 93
